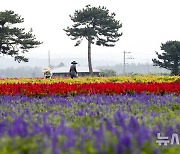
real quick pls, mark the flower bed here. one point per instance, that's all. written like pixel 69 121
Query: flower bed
pixel 116 79
pixel 49 116
pixel 65 89
pixel 88 124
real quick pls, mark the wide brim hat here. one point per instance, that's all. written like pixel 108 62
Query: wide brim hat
pixel 47 69
pixel 73 62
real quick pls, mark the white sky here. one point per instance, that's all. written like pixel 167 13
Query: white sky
pixel 146 24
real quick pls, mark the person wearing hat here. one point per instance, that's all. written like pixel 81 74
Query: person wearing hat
pixel 47 72
pixel 73 71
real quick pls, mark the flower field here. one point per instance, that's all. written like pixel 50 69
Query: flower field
pixel 89 115
pixel 117 79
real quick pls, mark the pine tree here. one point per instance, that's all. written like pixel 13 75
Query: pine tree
pixel 96 25
pixel 15 41
pixel 170 58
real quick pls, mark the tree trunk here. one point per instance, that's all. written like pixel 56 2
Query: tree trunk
pixel 175 70
pixel 89 56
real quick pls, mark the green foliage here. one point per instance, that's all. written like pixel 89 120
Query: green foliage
pixel 171 150
pixel 108 72
pixel 89 148
pixel 175 107
pixel 15 41
pixel 170 58
pixel 26 145
pixel 97 23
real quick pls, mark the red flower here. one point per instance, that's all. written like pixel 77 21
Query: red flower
pixel 30 89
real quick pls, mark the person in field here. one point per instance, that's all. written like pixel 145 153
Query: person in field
pixel 73 71
pixel 47 72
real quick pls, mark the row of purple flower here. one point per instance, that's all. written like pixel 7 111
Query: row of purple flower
pixel 87 124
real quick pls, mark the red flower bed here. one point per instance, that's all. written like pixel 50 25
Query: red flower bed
pixel 87 88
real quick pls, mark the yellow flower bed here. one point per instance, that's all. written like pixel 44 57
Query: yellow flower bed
pixel 145 78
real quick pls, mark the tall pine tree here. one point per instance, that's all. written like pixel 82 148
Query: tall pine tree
pixel 96 25
pixel 170 58
pixel 15 41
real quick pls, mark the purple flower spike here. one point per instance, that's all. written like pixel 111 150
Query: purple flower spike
pixel 19 127
pixel 133 125
pixel 142 136
pixel 126 141
pixel 119 119
pixel 119 147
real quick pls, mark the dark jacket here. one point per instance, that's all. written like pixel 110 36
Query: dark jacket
pixel 73 71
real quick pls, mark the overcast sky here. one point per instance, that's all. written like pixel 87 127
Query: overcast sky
pixel 146 24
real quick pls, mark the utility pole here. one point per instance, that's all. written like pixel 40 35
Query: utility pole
pixel 124 61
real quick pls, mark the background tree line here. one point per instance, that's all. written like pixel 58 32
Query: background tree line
pixel 131 69
pixel 26 72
